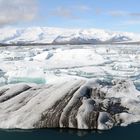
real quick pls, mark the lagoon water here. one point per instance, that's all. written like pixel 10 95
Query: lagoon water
pixel 118 133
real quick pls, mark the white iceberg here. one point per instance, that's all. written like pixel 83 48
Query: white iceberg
pixel 77 104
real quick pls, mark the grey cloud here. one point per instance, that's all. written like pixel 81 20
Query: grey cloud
pixel 82 8
pixel 69 12
pixel 117 13
pixel 63 12
pixel 134 14
pixel 98 11
pixel 123 13
pixel 15 11
pixel 132 22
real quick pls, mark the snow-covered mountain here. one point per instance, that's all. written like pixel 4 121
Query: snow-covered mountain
pixel 48 35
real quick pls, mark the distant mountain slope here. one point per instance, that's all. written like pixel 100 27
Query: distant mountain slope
pixel 48 35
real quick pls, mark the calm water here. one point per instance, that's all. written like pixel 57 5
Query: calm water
pixel 118 133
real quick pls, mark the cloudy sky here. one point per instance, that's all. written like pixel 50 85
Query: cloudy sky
pixel 123 15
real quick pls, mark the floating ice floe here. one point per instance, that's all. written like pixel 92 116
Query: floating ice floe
pixel 28 75
pixel 51 63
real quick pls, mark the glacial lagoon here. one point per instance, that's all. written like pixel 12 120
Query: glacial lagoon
pixel 51 64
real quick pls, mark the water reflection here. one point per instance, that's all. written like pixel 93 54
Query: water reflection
pixel 129 133
pixel 80 133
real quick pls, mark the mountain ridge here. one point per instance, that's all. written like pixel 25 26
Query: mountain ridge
pixel 62 36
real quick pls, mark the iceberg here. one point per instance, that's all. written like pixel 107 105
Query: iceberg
pixel 80 104
pixel 28 75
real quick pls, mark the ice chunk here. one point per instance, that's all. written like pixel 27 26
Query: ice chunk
pixel 74 58
pixel 28 75
pixel 43 56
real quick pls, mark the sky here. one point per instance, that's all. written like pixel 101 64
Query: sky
pixel 118 15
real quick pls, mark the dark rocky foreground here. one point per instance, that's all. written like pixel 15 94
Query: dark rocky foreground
pixel 74 104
